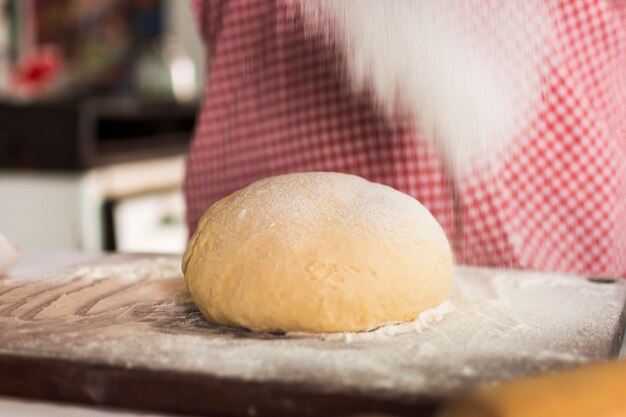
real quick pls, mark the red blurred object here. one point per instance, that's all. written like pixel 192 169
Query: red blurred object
pixel 37 71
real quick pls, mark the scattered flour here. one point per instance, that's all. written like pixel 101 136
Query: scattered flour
pixel 135 312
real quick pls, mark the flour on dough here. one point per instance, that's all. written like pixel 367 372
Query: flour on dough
pixel 317 252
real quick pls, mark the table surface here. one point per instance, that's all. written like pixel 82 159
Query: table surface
pixel 35 262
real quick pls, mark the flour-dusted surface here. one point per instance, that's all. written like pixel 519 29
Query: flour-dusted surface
pixel 135 312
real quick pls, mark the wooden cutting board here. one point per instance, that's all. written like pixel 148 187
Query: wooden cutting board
pixel 122 331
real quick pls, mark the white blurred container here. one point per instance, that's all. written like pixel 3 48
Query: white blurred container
pixel 8 255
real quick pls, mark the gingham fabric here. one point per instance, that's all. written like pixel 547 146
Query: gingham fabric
pixel 276 103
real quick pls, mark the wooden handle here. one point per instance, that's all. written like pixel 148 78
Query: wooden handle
pixel 595 390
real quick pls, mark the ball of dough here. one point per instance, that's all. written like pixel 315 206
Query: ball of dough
pixel 317 252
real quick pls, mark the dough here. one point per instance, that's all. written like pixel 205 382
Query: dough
pixel 317 252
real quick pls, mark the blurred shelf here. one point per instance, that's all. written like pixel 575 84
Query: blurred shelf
pixel 132 206
pixel 92 133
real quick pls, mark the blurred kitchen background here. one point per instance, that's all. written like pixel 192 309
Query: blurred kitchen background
pixel 97 108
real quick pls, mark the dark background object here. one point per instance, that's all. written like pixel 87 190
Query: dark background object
pixel 90 133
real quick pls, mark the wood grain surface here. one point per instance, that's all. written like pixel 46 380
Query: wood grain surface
pixel 122 331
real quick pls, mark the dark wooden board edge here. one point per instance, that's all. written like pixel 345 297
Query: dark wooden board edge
pixel 185 393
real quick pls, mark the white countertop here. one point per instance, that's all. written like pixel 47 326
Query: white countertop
pixel 35 262
pixel 10 407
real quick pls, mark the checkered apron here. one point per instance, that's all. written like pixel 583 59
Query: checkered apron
pixel 275 103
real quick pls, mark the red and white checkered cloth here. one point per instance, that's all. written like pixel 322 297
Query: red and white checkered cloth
pixel 275 103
